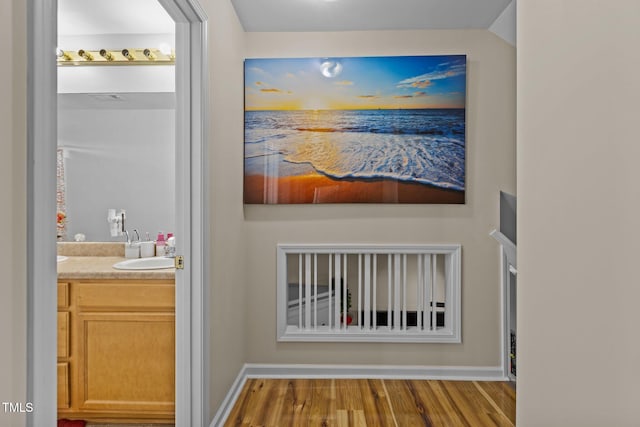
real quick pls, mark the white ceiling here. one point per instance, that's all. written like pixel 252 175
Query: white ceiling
pixel 82 17
pixel 354 15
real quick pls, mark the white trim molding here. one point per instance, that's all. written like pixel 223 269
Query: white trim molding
pixel 41 207
pixel 251 370
pixel 510 248
pixel 191 211
pixel 508 267
pixel 421 284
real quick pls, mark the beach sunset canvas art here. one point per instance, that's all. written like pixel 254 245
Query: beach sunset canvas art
pixel 355 130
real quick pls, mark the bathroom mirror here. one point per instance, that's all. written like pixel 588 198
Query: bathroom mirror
pixel 116 124
pixel 116 150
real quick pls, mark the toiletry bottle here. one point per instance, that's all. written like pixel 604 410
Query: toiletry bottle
pixel 170 248
pixel 160 245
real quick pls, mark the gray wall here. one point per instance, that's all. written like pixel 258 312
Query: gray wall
pixel 118 158
pixel 226 305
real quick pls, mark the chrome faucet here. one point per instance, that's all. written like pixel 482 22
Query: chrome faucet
pixel 131 249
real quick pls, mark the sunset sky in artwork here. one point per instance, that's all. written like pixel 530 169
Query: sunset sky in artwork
pixel 403 82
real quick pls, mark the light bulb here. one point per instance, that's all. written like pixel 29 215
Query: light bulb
pixel 85 54
pixel 127 54
pixel 61 54
pixel 106 54
pixel 149 55
pixel 164 48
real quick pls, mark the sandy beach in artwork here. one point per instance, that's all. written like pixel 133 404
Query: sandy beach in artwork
pixel 316 188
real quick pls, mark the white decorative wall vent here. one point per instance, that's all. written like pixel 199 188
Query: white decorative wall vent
pixel 390 293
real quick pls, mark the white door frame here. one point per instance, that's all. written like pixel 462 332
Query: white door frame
pixel 191 212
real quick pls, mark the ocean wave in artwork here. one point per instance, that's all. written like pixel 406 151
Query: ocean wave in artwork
pixel 423 146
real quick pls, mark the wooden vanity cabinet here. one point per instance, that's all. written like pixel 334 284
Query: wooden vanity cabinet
pixel 120 365
pixel 64 346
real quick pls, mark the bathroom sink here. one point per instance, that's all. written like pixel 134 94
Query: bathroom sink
pixel 155 263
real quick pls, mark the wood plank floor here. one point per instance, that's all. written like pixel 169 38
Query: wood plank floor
pixel 396 403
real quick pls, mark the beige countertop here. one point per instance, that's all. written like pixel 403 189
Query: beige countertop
pixel 102 249
pixel 94 260
pixel 101 267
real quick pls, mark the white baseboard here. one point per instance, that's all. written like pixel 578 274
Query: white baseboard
pixel 253 370
pixel 230 399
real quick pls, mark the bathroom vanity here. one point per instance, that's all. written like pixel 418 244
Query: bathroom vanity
pixel 116 342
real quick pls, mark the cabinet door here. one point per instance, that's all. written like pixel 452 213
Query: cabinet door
pixel 127 362
pixel 63 385
pixel 63 334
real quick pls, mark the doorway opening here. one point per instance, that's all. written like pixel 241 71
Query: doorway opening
pixel 191 345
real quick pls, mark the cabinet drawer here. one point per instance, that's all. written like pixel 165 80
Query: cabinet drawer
pixel 63 295
pixel 63 385
pixel 63 334
pixel 128 296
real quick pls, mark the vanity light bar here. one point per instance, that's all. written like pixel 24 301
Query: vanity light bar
pixel 128 56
